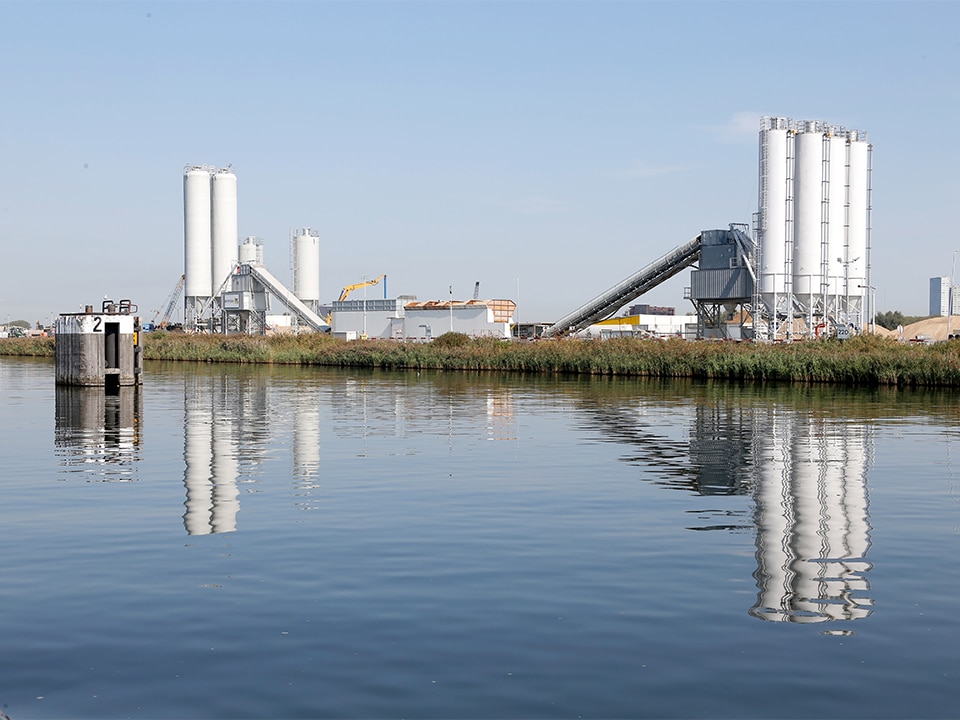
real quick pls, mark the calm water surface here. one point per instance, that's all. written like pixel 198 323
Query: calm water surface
pixel 255 542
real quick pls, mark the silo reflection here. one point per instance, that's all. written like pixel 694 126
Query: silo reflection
pixel 210 456
pixel 812 511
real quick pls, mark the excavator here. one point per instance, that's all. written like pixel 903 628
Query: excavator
pixel 356 286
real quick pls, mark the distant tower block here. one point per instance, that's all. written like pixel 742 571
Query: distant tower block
pixel 100 349
pixel 223 220
pixel 305 261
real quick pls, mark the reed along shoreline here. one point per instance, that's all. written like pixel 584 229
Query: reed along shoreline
pixel 863 360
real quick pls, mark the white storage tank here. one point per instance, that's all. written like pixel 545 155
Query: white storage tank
pixel 196 232
pixel 251 251
pixel 858 211
pixel 223 214
pixel 808 233
pixel 836 213
pixel 773 207
pixel 305 259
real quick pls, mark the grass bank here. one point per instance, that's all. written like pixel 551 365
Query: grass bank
pixel 863 360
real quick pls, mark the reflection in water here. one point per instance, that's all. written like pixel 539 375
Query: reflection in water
pixel 813 530
pixel 210 455
pixel 807 473
pixel 98 433
pixel 228 419
pixel 805 468
pixel 306 449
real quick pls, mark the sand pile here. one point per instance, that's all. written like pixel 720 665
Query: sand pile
pixel 933 328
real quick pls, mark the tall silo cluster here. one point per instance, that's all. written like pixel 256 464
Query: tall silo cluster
pixel 813 224
pixel 305 266
pixel 210 234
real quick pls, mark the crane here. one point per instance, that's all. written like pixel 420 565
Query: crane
pixel 356 286
pixel 159 320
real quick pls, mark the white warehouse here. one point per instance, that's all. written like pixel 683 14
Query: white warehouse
pixel 404 318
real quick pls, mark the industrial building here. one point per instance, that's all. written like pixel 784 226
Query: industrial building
pixel 801 271
pixel 804 271
pixel 404 318
pixel 644 326
pixel 228 289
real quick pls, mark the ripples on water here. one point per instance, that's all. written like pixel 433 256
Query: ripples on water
pixel 257 542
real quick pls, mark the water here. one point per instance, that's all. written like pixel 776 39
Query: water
pixel 257 542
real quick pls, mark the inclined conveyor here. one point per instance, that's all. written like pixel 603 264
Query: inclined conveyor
pixel 603 306
pixel 263 276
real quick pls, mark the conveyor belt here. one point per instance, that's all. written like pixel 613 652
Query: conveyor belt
pixel 262 275
pixel 603 306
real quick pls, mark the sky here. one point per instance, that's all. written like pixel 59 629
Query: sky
pixel 546 150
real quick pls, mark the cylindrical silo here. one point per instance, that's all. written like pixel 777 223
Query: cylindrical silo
pixel 196 233
pixel 774 178
pixel 857 222
pixel 808 214
pixel 305 252
pixel 251 251
pixel 223 215
pixel 836 216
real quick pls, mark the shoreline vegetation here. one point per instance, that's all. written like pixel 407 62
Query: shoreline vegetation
pixel 865 360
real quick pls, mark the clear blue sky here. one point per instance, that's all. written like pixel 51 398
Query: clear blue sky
pixel 548 147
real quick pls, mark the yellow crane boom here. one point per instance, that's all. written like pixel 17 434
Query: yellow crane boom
pixel 356 286
pixel 350 288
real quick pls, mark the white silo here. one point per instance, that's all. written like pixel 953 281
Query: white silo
pixel 196 236
pixel 251 251
pixel 305 260
pixel 858 223
pixel 808 231
pixel 773 229
pixel 223 220
pixel 836 215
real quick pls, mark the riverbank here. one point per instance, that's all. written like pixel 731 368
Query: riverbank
pixel 864 360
